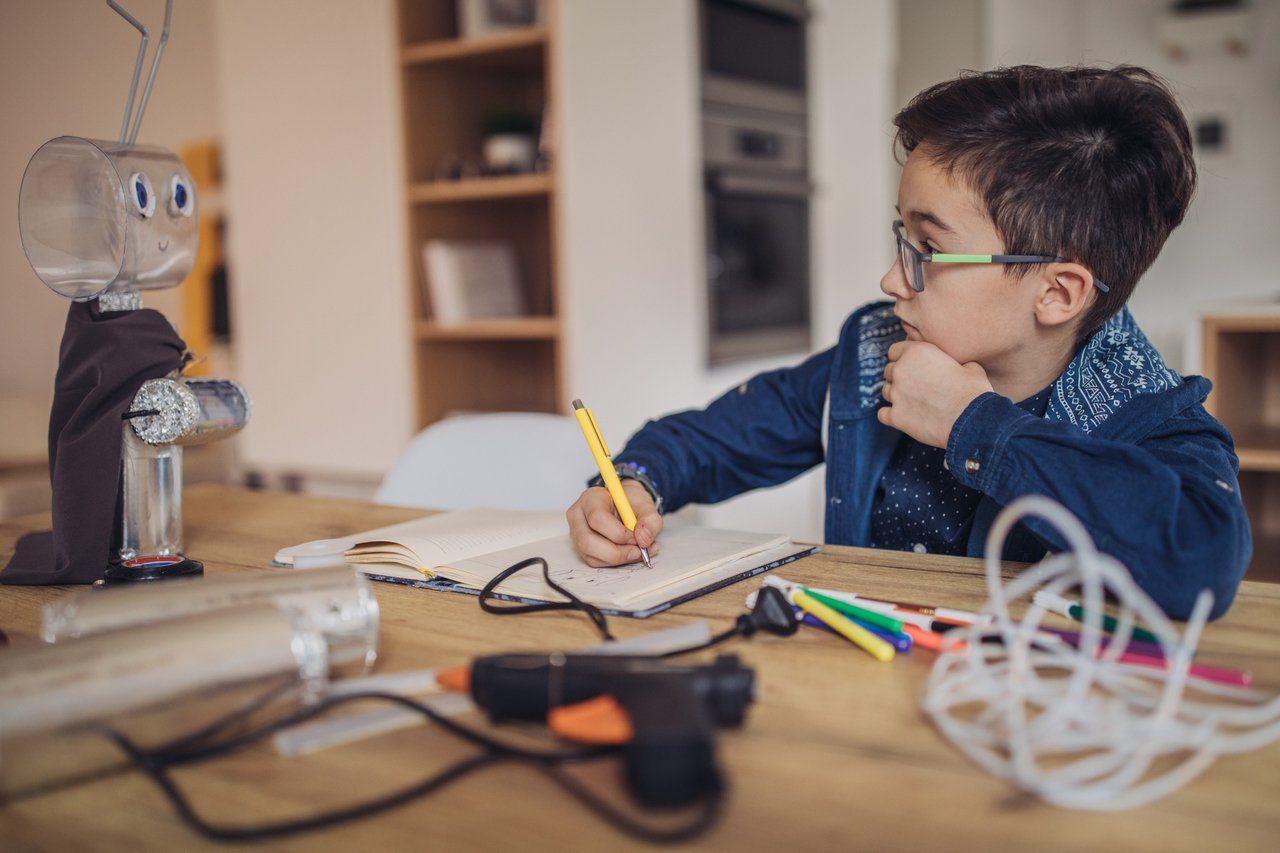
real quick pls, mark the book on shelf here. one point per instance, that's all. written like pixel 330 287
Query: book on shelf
pixel 462 551
pixel 471 280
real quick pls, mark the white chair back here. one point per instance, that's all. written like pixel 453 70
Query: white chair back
pixel 506 460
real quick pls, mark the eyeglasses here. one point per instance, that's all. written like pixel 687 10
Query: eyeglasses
pixel 913 260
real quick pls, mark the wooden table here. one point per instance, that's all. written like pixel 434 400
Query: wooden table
pixel 835 753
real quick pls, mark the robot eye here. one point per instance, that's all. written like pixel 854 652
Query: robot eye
pixel 144 199
pixel 182 199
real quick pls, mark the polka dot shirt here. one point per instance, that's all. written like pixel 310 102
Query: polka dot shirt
pixel 919 506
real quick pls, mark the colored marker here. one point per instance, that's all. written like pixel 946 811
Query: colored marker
pixel 1136 646
pixel 900 642
pixel 871 617
pixel 927 631
pixel 1234 677
pixel 930 640
pixel 856 634
pixel 1138 657
pixel 927 623
pixel 1057 604
pixel 941 614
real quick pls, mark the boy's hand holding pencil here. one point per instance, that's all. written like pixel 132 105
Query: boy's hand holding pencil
pixel 600 536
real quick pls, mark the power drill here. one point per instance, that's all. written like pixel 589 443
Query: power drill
pixel 663 714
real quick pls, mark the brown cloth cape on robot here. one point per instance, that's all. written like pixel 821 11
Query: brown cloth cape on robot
pixel 105 358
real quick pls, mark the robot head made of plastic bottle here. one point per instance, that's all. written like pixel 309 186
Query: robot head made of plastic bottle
pixel 98 217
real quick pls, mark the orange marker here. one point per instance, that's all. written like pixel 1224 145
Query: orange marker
pixel 928 639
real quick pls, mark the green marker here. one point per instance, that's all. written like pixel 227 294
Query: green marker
pixel 871 617
pixel 1071 610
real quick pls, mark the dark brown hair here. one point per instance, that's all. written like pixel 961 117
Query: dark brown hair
pixel 1091 164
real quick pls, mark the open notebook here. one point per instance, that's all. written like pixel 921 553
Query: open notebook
pixel 462 551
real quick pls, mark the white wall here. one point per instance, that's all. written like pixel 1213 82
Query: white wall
pixel 1222 252
pixel 316 231
pixel 631 212
pixel 1036 32
pixel 65 67
pixel 1225 249
pixel 936 39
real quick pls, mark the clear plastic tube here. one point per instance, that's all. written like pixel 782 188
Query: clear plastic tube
pixel 152 683
pixel 336 603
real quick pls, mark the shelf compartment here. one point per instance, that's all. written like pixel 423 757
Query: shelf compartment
pixel 463 375
pixel 427 20
pixel 481 189
pixel 496 329
pixel 518 49
pixel 446 107
pixel 1242 358
pixel 1258 448
pixel 1261 493
pixel 523 222
pixel 1265 565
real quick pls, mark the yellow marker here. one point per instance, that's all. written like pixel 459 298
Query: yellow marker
pixel 600 451
pixel 856 634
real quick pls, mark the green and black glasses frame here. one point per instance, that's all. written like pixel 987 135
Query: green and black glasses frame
pixel 913 260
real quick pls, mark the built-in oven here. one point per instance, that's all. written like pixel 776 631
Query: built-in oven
pixel 753 53
pixel 755 162
pixel 757 265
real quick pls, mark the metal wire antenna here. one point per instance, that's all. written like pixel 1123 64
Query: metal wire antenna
pixel 151 75
pixel 137 66
pixel 128 136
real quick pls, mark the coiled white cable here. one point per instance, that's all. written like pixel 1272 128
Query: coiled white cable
pixel 1074 725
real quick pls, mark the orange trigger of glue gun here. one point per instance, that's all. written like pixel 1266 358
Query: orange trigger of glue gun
pixel 601 721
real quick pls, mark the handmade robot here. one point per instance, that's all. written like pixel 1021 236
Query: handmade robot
pixel 100 222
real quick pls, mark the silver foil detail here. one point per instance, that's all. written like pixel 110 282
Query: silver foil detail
pixel 177 407
pixel 122 300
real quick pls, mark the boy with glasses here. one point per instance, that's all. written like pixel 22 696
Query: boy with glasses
pixel 1005 364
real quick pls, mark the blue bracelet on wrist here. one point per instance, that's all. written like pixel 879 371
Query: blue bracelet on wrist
pixel 639 473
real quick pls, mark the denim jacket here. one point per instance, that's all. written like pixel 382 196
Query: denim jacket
pixel 1125 444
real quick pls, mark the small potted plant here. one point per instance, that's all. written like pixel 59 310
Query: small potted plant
pixel 510 142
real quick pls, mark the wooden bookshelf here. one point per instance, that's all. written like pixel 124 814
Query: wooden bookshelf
pixel 449 85
pixel 1242 359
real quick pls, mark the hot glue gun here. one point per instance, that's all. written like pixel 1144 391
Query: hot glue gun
pixel 663 715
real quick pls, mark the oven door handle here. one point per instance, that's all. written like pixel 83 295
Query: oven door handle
pixel 727 184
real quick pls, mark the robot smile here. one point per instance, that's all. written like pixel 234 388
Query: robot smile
pixel 163 245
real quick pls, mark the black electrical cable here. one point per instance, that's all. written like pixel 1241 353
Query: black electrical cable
pixel 156 762
pixel 773 613
pixel 700 824
pixel 487 596
pixel 157 772
pixel 231 719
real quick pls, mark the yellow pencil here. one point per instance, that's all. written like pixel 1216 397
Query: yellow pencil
pixel 856 634
pixel 600 452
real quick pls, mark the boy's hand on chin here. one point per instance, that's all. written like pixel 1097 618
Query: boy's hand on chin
pixel 926 390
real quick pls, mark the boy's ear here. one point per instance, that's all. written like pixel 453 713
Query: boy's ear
pixel 1065 291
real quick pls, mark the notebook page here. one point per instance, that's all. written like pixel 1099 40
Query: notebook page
pixel 730 569
pixel 685 552
pixel 430 542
